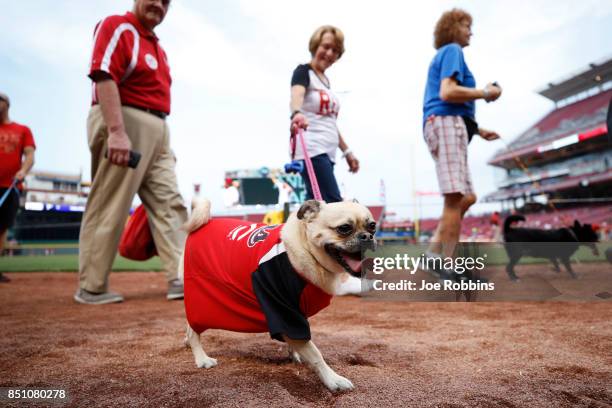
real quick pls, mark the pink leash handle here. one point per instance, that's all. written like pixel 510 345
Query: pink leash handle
pixel 316 192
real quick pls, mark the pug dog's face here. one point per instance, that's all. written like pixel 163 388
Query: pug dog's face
pixel 338 233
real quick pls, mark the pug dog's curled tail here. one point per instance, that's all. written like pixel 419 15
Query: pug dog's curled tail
pixel 511 220
pixel 200 214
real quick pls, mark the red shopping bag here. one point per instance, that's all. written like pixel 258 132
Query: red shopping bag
pixel 137 241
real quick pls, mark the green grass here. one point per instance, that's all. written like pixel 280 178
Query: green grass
pixel 49 245
pixel 69 263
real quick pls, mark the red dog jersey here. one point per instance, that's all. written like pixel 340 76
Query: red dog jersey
pixel 238 277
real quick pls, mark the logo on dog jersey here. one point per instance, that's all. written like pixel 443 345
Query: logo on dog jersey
pixel 260 234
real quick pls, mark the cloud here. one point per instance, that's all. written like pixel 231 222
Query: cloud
pixel 202 56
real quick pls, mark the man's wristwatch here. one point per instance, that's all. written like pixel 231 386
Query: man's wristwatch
pixel 346 153
pixel 295 112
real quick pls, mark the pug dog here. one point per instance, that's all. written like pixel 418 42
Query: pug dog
pixel 247 277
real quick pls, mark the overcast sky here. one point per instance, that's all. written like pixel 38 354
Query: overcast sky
pixel 232 61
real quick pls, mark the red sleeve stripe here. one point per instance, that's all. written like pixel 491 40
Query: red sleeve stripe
pixel 112 44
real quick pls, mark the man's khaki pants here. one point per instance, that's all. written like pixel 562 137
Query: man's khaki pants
pixel 113 189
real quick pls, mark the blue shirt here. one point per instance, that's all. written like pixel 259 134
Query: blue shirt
pixel 448 63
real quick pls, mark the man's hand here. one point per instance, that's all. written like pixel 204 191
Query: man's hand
pixel 118 143
pixel 119 147
pixel 353 163
pixel 20 175
pixel 299 121
pixel 487 134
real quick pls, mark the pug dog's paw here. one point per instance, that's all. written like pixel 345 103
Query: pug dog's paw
pixel 367 285
pixel 351 285
pixel 335 382
pixel 206 362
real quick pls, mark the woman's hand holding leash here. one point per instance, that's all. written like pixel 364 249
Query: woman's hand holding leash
pixel 298 121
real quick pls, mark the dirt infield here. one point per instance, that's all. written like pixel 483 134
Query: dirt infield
pixel 404 354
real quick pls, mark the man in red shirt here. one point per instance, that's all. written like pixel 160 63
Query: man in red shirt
pixel 131 99
pixel 16 143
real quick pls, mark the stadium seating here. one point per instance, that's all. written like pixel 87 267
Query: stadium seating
pixel 479 228
pixel 576 117
pixel 566 120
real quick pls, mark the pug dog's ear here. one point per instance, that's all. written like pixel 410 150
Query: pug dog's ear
pixel 309 210
pixel 576 224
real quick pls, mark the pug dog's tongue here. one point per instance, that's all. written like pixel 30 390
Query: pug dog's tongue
pixel 354 262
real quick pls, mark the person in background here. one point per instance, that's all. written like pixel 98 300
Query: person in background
pixel 495 227
pixel 231 194
pixel 16 159
pixel 284 190
pixel 449 113
pixel 314 108
pixel 131 99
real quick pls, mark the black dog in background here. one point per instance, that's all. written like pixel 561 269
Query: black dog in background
pixel 558 244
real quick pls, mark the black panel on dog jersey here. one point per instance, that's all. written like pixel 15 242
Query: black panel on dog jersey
pixel 278 289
